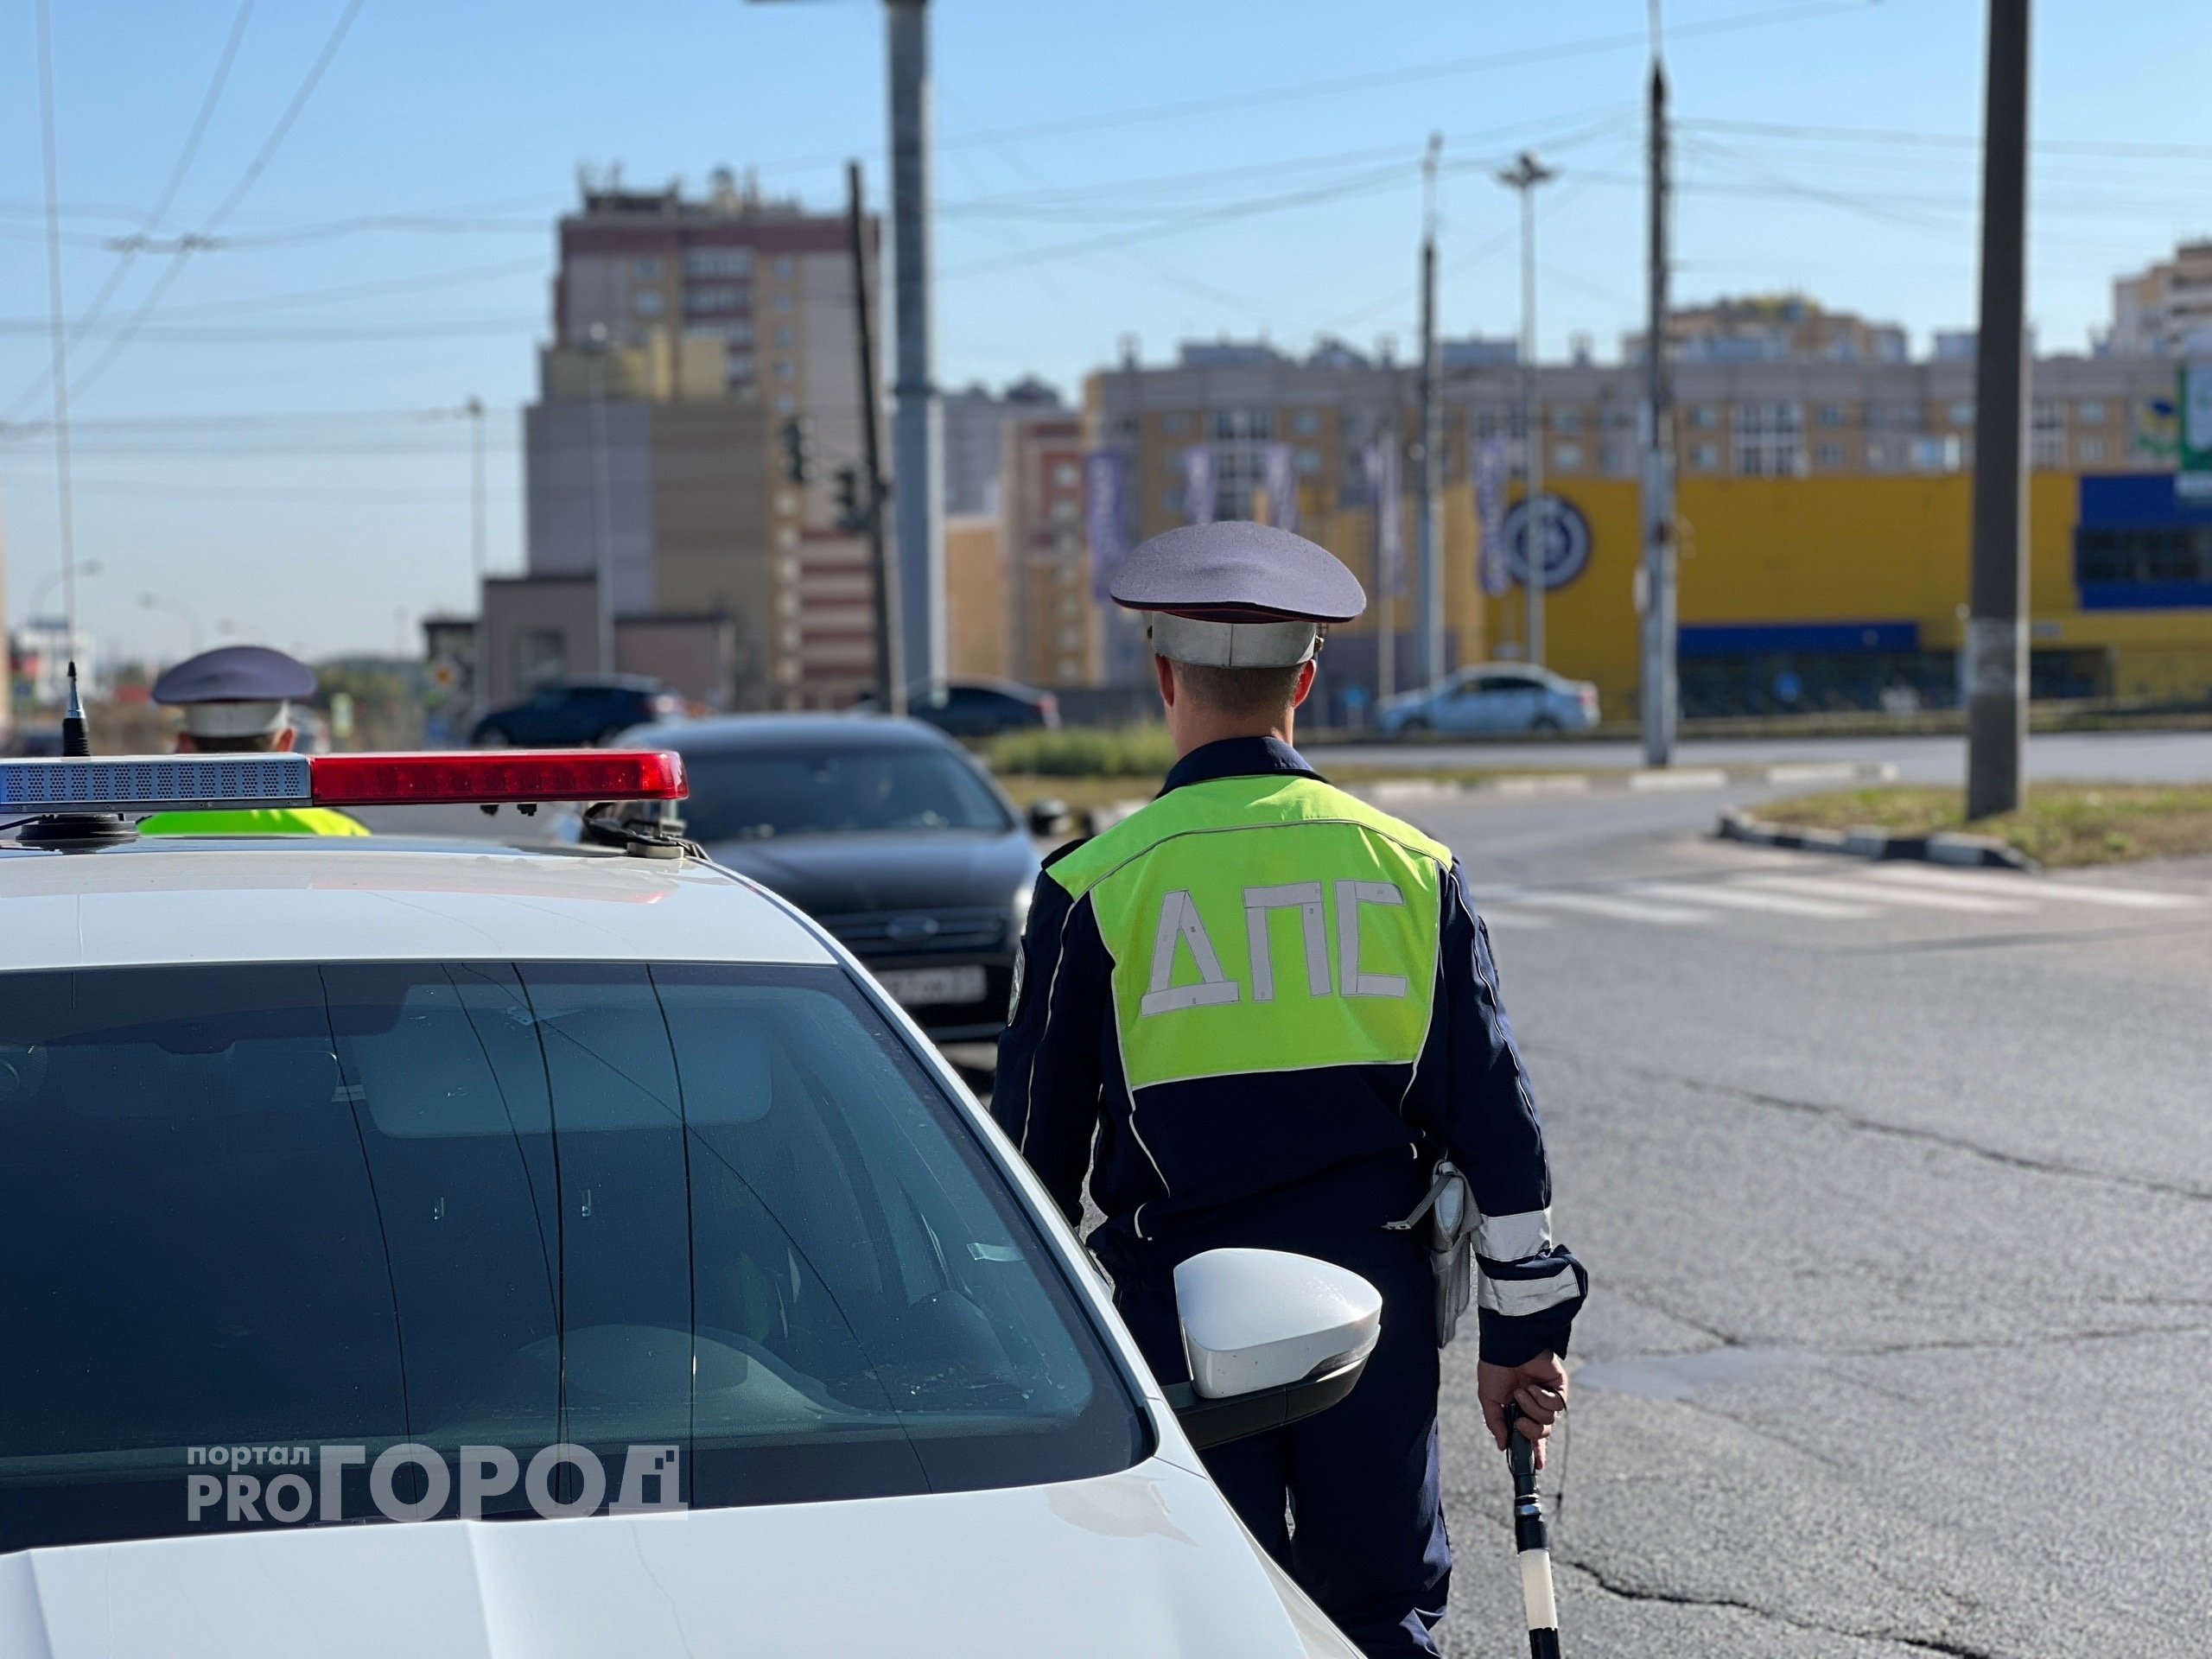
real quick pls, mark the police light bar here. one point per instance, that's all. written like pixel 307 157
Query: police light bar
pixel 214 782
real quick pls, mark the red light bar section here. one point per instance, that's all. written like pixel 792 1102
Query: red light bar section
pixel 502 775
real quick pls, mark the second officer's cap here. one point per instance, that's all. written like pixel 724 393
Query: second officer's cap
pixel 1235 595
pixel 235 690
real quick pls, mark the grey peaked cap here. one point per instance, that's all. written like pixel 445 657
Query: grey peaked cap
pixel 1238 572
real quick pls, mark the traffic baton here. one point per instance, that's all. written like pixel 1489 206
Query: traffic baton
pixel 1531 1540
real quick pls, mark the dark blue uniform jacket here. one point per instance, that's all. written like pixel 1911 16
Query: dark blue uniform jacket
pixel 1348 1142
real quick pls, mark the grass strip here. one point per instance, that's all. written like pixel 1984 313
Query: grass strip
pixel 2061 823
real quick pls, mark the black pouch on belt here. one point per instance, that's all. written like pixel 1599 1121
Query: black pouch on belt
pixel 1449 1208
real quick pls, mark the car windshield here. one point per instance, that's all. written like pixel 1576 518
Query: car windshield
pixel 739 794
pixel 284 1240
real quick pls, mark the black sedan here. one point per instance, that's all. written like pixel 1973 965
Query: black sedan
pixel 574 714
pixel 884 830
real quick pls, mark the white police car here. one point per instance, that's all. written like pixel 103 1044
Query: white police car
pixel 448 1249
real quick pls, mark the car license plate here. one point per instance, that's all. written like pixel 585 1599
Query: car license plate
pixel 922 987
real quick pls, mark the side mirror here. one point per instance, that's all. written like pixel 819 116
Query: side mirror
pixel 1271 1337
pixel 1048 816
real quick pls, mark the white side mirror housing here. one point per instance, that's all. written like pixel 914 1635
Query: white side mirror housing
pixel 1271 1336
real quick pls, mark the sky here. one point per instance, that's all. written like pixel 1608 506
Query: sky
pixel 268 439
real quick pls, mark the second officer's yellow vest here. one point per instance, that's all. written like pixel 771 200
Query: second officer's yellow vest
pixel 1267 924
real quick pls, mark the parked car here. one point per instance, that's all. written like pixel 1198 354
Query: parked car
pixel 887 833
pixel 445 1248
pixel 980 708
pixel 1493 699
pixel 571 714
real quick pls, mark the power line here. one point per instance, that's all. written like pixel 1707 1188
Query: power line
pixel 229 204
pixel 50 146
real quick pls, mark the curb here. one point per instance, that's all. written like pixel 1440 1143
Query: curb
pixel 1392 791
pixel 1944 846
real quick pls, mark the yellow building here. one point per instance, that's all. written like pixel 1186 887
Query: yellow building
pixel 1825 517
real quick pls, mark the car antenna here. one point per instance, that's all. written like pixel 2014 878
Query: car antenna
pixel 76 832
pixel 76 736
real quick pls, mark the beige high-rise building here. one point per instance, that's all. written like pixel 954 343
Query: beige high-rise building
pixel 2166 311
pixel 699 343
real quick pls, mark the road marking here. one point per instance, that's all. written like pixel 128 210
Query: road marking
pixel 1618 910
pixel 1878 893
pixel 2027 887
pixel 1514 919
pixel 1735 896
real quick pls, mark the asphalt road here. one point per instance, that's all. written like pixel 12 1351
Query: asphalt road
pixel 1896 1188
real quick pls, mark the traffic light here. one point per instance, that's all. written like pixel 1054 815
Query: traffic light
pixel 798 436
pixel 851 516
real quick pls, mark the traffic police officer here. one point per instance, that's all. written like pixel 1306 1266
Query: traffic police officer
pixel 1258 1013
pixel 236 700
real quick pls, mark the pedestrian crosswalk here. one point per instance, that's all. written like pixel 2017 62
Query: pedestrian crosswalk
pixel 1856 893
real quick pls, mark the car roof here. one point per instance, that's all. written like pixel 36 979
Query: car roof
pixel 182 899
pixel 732 734
pixel 602 682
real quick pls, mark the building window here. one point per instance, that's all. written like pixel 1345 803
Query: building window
pixel 2091 449
pixel 1063 511
pixel 1768 458
pixel 716 297
pixel 1705 416
pixel 2090 411
pixel 1704 456
pixel 1834 415
pixel 783 300
pixel 1170 501
pixel 1305 423
pixel 1566 457
pixel 648 269
pixel 717 261
pixel 2047 452
pixel 783 265
pixel 1230 424
pixel 647 302
pixel 785 404
pixel 1567 420
pixel 540 658
pixel 785 369
pixel 740 366
pixel 1878 454
pixel 1309 463
pixel 1827 455
pixel 2048 414
pixel 1962 412
pixel 1175 423
pixel 1066 474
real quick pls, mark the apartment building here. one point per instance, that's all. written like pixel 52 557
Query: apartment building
pixel 2166 310
pixel 693 339
pixel 1824 489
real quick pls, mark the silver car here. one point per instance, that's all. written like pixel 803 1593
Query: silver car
pixel 1491 699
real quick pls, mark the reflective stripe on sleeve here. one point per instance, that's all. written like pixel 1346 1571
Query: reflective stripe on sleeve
pixel 1518 1298
pixel 1514 1238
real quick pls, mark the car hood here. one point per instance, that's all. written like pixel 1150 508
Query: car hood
pixel 843 875
pixel 1147 1562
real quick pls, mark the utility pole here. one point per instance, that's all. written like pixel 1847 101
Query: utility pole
pixel 1661 689
pixel 595 349
pixel 1996 707
pixel 919 458
pixel 1524 176
pixel 1431 604
pixel 478 699
pixel 890 642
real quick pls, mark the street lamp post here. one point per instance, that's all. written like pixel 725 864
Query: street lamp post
pixel 1524 176
pixel 193 633
pixel 596 345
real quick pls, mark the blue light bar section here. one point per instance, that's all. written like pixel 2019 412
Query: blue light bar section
pixel 155 784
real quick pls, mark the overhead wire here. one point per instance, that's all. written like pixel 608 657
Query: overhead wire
pixel 237 193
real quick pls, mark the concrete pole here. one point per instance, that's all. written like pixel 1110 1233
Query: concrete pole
pixel 917 482
pixel 1661 687
pixel 595 350
pixel 1524 176
pixel 1997 708
pixel 1431 602
pixel 890 638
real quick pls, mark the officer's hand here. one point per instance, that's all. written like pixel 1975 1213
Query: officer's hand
pixel 1539 1388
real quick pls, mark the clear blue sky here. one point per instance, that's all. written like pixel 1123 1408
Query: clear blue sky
pixel 266 448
